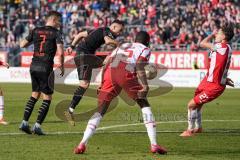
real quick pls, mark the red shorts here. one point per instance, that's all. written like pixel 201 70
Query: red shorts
pixel 207 91
pixel 116 79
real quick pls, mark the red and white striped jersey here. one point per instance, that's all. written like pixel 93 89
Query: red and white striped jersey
pixel 129 53
pixel 220 59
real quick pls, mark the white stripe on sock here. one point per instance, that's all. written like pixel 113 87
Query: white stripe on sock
pixel 91 127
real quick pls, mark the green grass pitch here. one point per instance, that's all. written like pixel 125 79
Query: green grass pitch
pixel 220 141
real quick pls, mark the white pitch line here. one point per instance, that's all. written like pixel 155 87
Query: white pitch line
pixel 124 125
pixel 137 124
pixel 114 131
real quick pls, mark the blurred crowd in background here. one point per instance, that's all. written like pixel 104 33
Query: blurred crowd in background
pixel 172 24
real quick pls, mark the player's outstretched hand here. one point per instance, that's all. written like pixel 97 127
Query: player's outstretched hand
pixel 62 71
pixel 230 82
pixel 6 65
pixel 99 89
pixel 69 50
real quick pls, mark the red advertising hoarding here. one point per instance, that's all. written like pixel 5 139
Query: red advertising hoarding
pixel 172 60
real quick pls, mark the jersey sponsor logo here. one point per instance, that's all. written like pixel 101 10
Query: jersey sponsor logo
pixel 44 32
pixel 39 54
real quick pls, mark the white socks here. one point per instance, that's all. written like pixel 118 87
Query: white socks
pixel 37 125
pixel 1 107
pixel 148 119
pixel 198 123
pixel 91 127
pixel 150 124
pixel 192 115
pixel 25 122
pixel 71 109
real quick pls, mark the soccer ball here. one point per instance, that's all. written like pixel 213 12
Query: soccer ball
pixel 151 71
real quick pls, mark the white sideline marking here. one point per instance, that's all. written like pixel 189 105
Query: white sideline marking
pixel 137 124
pixel 125 125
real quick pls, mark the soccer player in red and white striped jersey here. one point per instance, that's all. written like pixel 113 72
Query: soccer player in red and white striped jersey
pixel 214 83
pixel 2 121
pixel 124 70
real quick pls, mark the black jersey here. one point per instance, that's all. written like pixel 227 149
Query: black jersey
pixel 94 40
pixel 45 40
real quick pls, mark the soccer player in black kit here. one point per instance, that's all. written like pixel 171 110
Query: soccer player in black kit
pixel 92 40
pixel 46 40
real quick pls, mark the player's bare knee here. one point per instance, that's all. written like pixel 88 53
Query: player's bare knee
pixel 1 92
pixel 192 105
pixel 36 95
pixel 47 97
pixel 84 84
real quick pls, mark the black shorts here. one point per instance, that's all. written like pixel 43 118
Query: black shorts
pixel 85 63
pixel 42 81
pixel 84 73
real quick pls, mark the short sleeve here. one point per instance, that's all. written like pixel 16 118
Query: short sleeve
pixel 1 63
pixel 29 37
pixel 146 52
pixel 59 38
pixel 89 31
pixel 220 48
pixel 114 52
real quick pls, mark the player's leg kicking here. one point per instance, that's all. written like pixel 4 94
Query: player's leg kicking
pixel 84 75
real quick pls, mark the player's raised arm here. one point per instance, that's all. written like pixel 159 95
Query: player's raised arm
pixel 206 42
pixel 78 37
pixel 76 40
